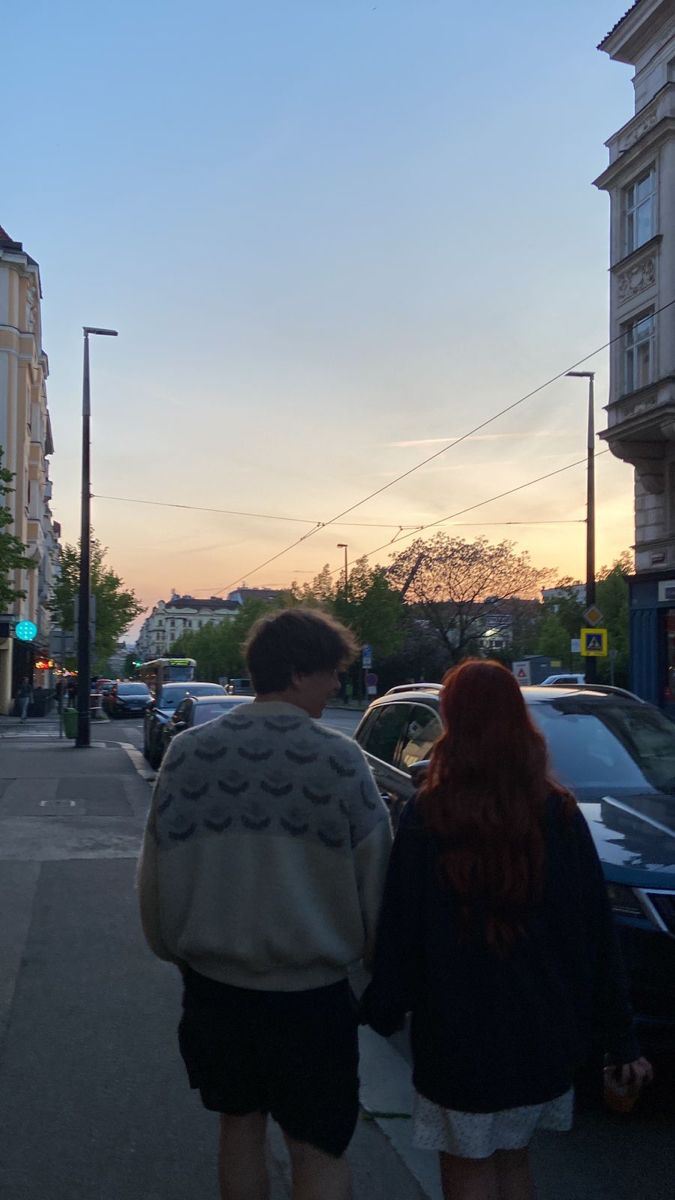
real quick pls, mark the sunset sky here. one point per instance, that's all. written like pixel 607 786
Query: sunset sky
pixel 334 235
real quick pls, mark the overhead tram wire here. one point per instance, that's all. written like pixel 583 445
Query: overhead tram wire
pixel 229 512
pixel 481 503
pixel 319 525
pixel 509 408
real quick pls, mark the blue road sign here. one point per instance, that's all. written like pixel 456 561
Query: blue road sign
pixel 593 643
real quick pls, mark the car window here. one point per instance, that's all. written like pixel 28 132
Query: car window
pixel 132 689
pixel 614 745
pixel 381 733
pixel 208 712
pixel 422 730
pixel 171 696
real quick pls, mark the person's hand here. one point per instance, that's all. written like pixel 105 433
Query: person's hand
pixel 633 1074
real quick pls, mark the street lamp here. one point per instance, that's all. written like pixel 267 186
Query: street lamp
pixel 591 664
pixel 83 614
pixel 344 546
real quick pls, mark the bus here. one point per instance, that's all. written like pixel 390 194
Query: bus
pixel 166 670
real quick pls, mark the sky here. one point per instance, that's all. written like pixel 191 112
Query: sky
pixel 334 236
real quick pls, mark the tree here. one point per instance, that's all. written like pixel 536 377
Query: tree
pixel 371 608
pixel 612 598
pixel 116 605
pixel 455 584
pixel 13 555
pixel 562 619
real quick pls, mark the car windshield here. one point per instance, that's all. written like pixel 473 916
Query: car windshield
pixel 127 689
pixel 170 697
pixel 608 744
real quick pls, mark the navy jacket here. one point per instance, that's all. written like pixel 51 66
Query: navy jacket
pixel 492 1032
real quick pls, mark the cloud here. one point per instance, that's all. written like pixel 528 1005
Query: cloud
pixel 478 437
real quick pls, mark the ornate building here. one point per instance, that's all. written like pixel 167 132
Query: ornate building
pixel 181 614
pixel 640 181
pixel 26 439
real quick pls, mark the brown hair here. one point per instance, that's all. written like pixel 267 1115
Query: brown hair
pixel 484 795
pixel 298 641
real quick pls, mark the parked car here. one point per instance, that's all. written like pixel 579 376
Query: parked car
pixel 556 680
pixel 197 710
pixel 617 754
pixel 127 699
pixel 162 709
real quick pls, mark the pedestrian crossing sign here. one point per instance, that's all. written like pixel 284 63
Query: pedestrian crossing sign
pixel 593 643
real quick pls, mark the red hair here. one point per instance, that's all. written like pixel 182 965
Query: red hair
pixel 484 797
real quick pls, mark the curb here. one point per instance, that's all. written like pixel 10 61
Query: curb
pixel 387 1099
pixel 138 762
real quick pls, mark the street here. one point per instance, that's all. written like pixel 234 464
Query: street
pixel 93 1101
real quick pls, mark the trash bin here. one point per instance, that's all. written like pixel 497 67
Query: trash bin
pixel 70 722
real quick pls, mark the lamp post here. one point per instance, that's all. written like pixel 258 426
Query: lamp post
pixel 344 546
pixel 591 664
pixel 83 614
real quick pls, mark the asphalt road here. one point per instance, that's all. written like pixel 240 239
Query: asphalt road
pixel 131 731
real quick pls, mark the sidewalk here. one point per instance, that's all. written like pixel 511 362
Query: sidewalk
pixel 94 1104
pixel 41 727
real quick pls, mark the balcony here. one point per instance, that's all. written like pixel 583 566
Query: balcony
pixel 641 424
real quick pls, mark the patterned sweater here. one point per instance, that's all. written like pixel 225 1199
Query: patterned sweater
pixel 265 852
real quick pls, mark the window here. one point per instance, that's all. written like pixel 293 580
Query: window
pixel 639 211
pixel 424 727
pixel 381 733
pixel 611 745
pixel 639 352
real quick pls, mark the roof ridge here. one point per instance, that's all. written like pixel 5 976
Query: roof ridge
pixel 618 23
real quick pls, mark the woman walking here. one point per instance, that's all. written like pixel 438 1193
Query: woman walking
pixel 496 934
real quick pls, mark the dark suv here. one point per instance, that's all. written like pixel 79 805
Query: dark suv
pixel 162 709
pixel 618 756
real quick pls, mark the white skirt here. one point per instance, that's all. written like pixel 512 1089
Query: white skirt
pixel 478 1135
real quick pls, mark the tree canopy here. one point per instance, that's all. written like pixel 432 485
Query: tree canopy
pixel 116 605
pixel 456 584
pixel 370 607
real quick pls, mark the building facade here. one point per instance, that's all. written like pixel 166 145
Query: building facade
pixel 640 182
pixel 181 614
pixel 26 439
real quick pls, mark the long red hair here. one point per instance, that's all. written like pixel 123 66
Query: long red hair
pixel 484 796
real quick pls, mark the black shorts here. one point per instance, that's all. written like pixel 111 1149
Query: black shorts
pixel 292 1054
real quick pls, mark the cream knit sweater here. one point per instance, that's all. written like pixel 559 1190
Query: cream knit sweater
pixel 265 852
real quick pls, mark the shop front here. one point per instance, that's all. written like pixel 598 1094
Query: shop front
pixel 652 638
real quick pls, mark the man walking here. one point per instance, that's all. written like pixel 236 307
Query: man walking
pixel 261 877
pixel 23 698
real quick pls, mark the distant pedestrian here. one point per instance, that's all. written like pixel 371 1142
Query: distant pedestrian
pixel 24 697
pixel 71 691
pixel 261 878
pixel 496 933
